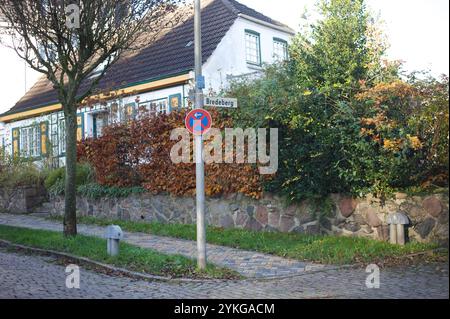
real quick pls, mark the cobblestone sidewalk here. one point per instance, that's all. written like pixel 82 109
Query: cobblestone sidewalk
pixel 23 276
pixel 249 264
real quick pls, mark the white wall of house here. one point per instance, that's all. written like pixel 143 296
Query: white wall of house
pixel 229 58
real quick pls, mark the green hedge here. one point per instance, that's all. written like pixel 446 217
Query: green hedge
pixel 55 179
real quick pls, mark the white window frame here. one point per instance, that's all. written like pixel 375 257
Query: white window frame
pixel 280 50
pixel 253 47
pixel 30 141
pixel 157 106
pixel 103 116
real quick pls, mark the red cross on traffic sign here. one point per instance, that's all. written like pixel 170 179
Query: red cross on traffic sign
pixel 198 121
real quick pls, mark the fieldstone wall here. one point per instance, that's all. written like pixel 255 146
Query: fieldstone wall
pixel 338 215
pixel 22 200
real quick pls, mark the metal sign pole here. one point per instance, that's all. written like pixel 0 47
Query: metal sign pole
pixel 200 169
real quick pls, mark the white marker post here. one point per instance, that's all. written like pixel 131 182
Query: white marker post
pixel 200 168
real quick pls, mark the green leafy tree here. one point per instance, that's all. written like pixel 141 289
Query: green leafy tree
pixel 333 54
pixel 331 60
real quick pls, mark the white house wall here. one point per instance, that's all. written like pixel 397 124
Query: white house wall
pixel 229 58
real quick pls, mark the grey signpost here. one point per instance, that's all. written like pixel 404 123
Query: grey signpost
pixel 200 168
pixel 199 102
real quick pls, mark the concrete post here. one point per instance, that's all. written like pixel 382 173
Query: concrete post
pixel 397 222
pixel 113 247
pixel 393 233
pixel 113 236
pixel 401 234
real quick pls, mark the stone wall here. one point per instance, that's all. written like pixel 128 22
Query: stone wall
pixel 339 215
pixel 22 200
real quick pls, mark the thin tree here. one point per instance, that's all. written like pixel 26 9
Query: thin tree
pixel 68 41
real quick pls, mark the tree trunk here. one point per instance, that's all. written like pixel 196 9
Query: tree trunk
pixel 70 212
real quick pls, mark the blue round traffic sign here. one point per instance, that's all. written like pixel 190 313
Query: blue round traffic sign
pixel 198 121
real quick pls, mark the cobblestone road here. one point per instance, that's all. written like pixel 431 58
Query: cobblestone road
pixel 32 276
pixel 248 263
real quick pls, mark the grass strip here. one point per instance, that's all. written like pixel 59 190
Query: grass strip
pixel 336 250
pixel 131 257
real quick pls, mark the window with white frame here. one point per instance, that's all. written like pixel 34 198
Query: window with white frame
pixel 253 47
pixel 30 141
pixel 100 120
pixel 162 106
pixel 280 50
pixel 128 112
pixel 156 106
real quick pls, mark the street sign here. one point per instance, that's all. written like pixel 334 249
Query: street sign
pixel 198 121
pixel 221 102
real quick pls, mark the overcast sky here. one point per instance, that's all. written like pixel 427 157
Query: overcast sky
pixel 418 31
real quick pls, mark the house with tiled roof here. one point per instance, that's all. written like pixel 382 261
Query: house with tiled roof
pixel 236 42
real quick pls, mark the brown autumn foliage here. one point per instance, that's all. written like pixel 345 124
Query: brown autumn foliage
pixel 137 153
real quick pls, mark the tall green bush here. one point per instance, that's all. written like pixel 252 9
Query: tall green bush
pixel 54 176
pixel 55 180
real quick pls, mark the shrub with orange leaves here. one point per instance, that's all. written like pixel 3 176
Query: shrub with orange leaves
pixel 401 119
pixel 392 103
pixel 385 93
pixel 137 153
pixel 414 142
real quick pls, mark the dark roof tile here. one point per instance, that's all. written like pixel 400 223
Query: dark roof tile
pixel 240 8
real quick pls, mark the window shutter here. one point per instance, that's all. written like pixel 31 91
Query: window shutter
pixel 44 138
pixel 80 127
pixel 16 142
pixel 174 102
pixel 130 111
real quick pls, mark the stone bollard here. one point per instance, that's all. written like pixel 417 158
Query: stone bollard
pixel 397 222
pixel 113 236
